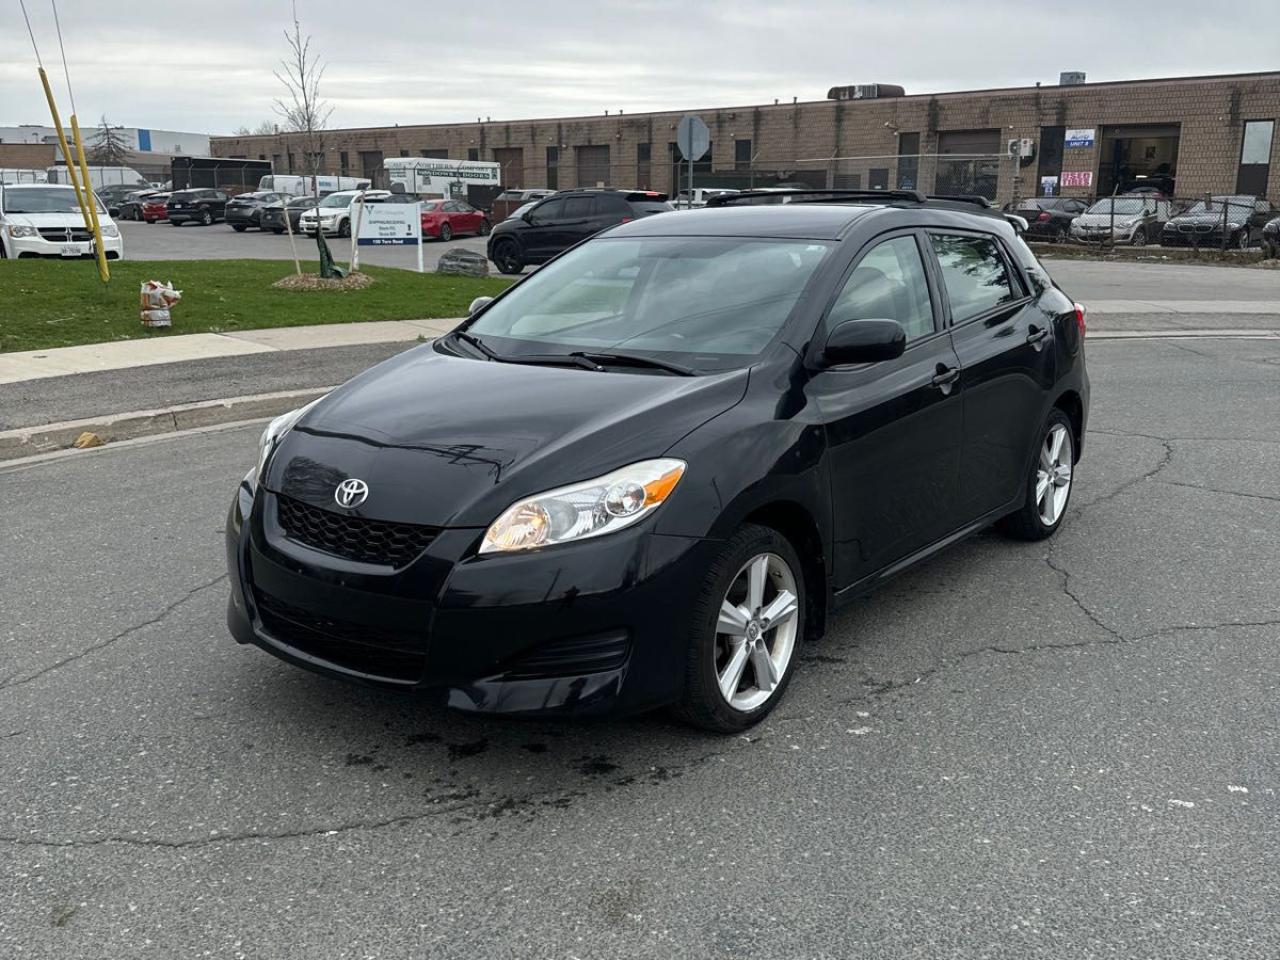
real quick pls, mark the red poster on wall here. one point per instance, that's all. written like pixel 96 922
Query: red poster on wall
pixel 1080 178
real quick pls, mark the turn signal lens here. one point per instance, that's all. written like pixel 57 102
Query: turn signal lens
pixel 584 510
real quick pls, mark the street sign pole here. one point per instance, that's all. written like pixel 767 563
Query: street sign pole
pixel 417 218
pixel 693 138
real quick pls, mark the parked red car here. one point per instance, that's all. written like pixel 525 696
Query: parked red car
pixel 449 218
pixel 153 208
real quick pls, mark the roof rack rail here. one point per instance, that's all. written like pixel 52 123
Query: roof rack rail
pixel 814 195
pixel 976 199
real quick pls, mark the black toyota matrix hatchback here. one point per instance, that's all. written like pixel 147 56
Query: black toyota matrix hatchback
pixel 646 473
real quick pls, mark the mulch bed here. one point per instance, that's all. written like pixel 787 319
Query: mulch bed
pixel 312 281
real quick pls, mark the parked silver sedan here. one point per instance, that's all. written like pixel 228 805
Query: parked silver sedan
pixel 1125 219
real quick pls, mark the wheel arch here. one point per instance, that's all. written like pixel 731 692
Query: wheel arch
pixel 1070 403
pixel 797 524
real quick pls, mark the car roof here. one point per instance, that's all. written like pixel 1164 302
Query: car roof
pixel 817 221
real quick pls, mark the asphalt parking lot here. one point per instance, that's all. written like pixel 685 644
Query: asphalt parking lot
pixel 1015 751
pixel 164 241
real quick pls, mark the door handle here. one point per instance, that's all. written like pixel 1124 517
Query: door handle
pixel 1036 334
pixel 945 377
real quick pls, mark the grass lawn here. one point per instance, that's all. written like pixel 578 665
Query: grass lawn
pixel 51 303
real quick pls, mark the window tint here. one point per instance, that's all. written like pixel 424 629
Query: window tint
pixel 575 208
pixel 975 274
pixel 460 207
pixel 887 284
pixel 551 210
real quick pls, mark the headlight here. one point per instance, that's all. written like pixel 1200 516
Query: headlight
pixel 273 434
pixel 17 231
pixel 583 510
pixel 110 230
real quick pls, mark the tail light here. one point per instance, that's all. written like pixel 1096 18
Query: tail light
pixel 626 219
pixel 1079 317
pixel 1044 215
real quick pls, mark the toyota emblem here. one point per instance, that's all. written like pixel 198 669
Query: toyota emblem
pixel 351 493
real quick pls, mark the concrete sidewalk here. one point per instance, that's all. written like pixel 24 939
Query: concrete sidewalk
pixel 128 354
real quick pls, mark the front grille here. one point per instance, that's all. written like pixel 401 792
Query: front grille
pixel 65 234
pixel 571 657
pixel 355 646
pixel 353 538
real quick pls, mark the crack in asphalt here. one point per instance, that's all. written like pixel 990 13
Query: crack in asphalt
pixel 1165 459
pixel 8 684
pixel 1225 493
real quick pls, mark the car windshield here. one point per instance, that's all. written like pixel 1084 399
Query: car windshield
pixel 1123 205
pixel 706 302
pixel 337 200
pixel 42 200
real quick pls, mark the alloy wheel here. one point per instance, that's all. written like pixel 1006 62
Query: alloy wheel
pixel 1053 476
pixel 756 631
pixel 446 232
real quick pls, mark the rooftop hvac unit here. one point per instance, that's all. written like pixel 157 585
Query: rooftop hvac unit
pixel 1071 78
pixel 865 91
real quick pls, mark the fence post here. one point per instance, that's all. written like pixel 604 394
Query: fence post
pixel 1226 204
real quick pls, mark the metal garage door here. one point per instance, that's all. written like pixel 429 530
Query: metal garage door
pixel 511 160
pixel 593 166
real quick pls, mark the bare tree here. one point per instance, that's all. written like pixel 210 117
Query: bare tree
pixel 108 147
pixel 304 113
pixel 265 129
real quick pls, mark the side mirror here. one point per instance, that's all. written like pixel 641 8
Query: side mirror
pixel 527 216
pixel 864 341
pixel 479 303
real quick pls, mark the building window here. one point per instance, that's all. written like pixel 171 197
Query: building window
pixel 275 161
pixel 593 166
pixel 644 170
pixel 473 153
pixel 909 161
pixel 404 153
pixel 1255 158
pixel 344 161
pixel 742 154
pixel 553 168
pixel 434 154
pixel 315 161
pixel 262 156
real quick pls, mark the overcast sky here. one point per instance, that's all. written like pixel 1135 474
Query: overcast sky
pixel 207 67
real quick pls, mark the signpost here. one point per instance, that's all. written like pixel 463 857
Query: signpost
pixel 693 138
pixel 391 224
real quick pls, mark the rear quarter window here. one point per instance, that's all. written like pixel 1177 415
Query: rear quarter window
pixel 644 208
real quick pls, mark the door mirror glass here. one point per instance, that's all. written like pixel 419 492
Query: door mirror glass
pixel 864 341
pixel 479 303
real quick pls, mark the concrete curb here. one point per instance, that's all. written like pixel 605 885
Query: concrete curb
pixel 31 441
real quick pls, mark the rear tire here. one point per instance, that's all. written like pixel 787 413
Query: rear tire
pixel 485 227
pixel 507 256
pixel 277 230
pixel 1049 481
pixel 744 633
pixel 1139 238
pixel 239 227
pixel 1242 240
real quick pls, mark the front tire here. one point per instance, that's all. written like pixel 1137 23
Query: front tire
pixel 1242 240
pixel 1048 484
pixel 1139 238
pixel 507 257
pixel 277 230
pixel 485 227
pixel 344 228
pixel 446 232
pixel 239 227
pixel 747 623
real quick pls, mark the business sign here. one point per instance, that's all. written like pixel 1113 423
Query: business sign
pixel 442 178
pixel 1079 178
pixel 390 224
pixel 1079 138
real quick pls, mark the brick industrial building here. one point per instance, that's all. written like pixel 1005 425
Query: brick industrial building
pixel 1204 134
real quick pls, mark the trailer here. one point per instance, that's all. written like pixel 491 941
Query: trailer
pixel 475 181
pixel 232 174
pixel 322 185
pixel 100 177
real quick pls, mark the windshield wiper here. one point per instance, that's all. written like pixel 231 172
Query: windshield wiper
pixel 635 360
pixel 531 359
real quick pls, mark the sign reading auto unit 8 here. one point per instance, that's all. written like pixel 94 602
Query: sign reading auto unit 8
pixel 1079 138
pixel 441 178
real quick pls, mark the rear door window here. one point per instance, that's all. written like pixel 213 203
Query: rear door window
pixel 975 274
pixel 577 208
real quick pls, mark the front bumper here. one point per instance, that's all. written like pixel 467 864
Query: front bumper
pixel 1176 238
pixel 113 247
pixel 587 628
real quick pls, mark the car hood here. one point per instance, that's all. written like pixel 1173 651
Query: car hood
pixel 448 441
pixel 1104 219
pixel 51 219
pixel 1209 218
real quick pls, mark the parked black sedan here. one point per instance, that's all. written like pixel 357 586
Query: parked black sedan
pixel 245 210
pixel 1048 218
pixel 558 222
pixel 1230 221
pixel 273 214
pixel 648 472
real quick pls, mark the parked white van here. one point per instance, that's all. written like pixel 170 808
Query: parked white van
pixel 323 185
pixel 100 177
pixel 44 220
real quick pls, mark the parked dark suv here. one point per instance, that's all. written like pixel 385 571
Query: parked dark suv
pixel 647 473
pixel 562 220
pixel 245 211
pixel 195 206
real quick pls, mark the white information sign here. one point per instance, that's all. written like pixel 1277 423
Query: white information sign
pixel 391 224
